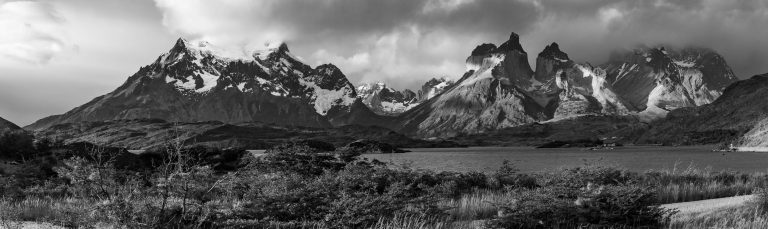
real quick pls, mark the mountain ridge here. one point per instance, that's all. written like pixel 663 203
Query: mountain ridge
pixel 198 82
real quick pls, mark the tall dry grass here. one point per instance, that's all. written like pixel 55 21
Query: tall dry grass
pixel 65 212
pixel 477 205
pixel 692 183
pixel 418 222
pixel 748 217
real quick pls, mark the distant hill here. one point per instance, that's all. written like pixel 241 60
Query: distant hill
pixel 7 125
pixel 153 133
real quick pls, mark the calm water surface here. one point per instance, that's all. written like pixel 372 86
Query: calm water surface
pixel 527 159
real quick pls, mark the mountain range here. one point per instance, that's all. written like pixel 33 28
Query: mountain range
pixel 198 82
pixel 500 90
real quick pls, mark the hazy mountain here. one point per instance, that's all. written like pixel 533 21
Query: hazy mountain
pixel 200 82
pixel 384 100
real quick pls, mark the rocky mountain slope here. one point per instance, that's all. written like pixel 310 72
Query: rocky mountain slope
pixel 654 81
pixel 200 82
pixel 500 90
pixel 742 108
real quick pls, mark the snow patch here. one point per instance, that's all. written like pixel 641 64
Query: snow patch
pixel 241 87
pixel 324 99
pixel 209 82
pixel 391 107
pixel 685 64
pixel 187 84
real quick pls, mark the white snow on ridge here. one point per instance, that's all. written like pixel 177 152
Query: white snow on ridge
pixel 685 64
pixel 483 71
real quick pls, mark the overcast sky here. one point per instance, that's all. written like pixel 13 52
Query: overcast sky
pixel 55 55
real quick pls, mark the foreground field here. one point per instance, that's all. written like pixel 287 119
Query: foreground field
pixel 298 186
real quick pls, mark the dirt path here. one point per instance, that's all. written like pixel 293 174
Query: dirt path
pixel 708 205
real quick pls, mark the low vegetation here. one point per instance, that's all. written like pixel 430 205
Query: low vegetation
pixel 305 186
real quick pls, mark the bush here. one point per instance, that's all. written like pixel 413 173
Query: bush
pixel 561 207
pixel 16 145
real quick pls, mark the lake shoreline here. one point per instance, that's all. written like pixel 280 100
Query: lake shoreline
pixel 530 159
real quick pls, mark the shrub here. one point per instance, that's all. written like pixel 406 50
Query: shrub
pixel 16 145
pixel 561 207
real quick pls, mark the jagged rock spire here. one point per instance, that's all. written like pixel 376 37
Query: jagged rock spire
pixel 513 44
pixel 553 51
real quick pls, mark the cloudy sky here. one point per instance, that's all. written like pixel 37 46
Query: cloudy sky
pixel 55 55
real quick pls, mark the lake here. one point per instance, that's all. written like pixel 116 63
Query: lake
pixel 527 159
